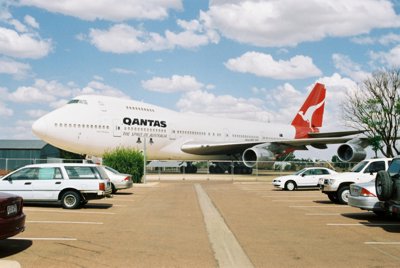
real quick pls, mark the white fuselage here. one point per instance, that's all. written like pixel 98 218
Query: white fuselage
pixel 93 125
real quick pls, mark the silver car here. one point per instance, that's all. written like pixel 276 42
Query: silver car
pixel 363 196
pixel 118 180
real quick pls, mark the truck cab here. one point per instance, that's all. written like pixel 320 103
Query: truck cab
pixel 337 187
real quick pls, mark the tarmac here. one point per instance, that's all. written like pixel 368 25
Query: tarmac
pixel 205 222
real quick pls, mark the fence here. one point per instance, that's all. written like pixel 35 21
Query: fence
pixel 182 169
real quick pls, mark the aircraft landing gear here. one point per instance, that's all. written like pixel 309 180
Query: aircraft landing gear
pixel 225 167
pixel 189 168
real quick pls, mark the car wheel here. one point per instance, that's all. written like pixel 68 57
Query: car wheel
pixel 290 185
pixel 71 200
pixel 114 190
pixel 383 185
pixel 333 197
pixel 343 194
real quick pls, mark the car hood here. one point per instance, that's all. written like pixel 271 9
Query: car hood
pixel 287 177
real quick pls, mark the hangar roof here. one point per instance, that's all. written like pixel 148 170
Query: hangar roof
pixel 22 144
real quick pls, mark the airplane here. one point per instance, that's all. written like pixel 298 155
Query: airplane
pixel 93 124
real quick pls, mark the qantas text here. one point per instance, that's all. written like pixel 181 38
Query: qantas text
pixel 144 122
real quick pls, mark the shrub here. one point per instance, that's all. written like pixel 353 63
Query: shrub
pixel 126 160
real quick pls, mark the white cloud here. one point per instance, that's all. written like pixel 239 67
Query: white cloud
pixel 346 66
pixel 288 22
pixel 55 93
pixel 176 83
pixel 18 70
pixel 264 65
pixel 35 113
pixel 387 39
pixel 391 57
pixel 4 111
pixel 99 88
pixel 24 45
pixel 122 71
pixel 31 21
pixel 123 38
pixel 227 106
pixel 114 10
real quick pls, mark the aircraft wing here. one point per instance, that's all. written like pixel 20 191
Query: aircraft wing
pixel 278 145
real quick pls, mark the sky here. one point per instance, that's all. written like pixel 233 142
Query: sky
pixel 246 59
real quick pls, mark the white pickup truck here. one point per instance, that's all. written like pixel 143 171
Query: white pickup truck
pixel 337 186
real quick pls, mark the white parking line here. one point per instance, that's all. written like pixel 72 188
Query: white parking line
pixel 382 243
pixel 322 214
pixel 44 238
pixel 363 224
pixel 290 196
pixel 288 200
pixel 68 211
pixel 328 206
pixel 66 222
pixel 227 249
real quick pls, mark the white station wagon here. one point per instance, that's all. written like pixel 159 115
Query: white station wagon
pixel 70 184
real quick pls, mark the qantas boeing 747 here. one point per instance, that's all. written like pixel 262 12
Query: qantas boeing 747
pixel 92 125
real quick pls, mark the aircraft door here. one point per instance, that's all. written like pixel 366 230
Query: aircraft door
pixel 117 128
pixel 172 132
pixel 227 134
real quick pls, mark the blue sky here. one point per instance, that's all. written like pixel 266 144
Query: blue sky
pixel 253 60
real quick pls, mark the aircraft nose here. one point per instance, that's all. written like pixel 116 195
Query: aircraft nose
pixel 39 127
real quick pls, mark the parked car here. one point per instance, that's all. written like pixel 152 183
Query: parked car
pixel 337 187
pixel 307 177
pixel 363 196
pixel 12 217
pixel 118 180
pixel 387 186
pixel 72 185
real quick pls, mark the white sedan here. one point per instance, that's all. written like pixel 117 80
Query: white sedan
pixel 307 178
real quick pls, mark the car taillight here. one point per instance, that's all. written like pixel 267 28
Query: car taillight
pixel 365 192
pixel 127 178
pixel 102 186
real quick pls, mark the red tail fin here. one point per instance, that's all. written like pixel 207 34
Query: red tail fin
pixel 311 114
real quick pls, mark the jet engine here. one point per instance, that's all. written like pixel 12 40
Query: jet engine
pixel 252 155
pixel 351 152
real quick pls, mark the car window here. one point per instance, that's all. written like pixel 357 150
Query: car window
pixel 24 174
pixel 375 167
pixel 50 174
pixel 394 167
pixel 308 172
pixel 82 173
pixel 318 172
pixel 359 166
pixel 324 172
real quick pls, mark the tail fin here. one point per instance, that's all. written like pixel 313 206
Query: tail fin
pixel 311 114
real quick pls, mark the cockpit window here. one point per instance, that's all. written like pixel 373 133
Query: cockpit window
pixel 77 101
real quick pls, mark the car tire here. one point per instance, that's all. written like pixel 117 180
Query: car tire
pixel 343 195
pixel 333 197
pixel 113 189
pixel 290 186
pixel 71 200
pixel 383 185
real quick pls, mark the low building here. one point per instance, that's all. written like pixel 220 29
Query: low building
pixel 17 153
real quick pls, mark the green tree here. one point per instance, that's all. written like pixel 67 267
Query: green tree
pixel 126 160
pixel 375 108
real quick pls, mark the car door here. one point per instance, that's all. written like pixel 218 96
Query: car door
pixel 308 178
pixel 373 168
pixel 20 183
pixel 48 185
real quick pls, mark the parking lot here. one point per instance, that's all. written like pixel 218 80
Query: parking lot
pixel 172 224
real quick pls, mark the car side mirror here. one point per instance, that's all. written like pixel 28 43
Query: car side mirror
pixel 9 179
pixel 303 175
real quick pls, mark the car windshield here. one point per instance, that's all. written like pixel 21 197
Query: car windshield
pixel 360 166
pixel 299 172
pixel 394 167
pixel 112 170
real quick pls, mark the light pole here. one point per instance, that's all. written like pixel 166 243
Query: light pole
pixel 144 155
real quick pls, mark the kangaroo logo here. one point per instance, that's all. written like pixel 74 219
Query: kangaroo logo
pixel 309 117
pixel 308 114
